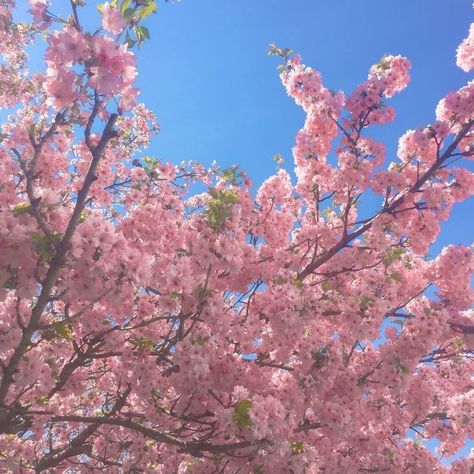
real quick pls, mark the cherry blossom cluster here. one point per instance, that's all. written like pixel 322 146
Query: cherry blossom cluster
pixel 148 328
pixel 110 67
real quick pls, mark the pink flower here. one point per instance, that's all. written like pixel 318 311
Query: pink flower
pixel 128 99
pixel 465 52
pixel 103 80
pixel 38 10
pixel 105 49
pixel 59 86
pixel 66 47
pixel 114 68
pixel 392 71
pixel 112 19
pixel 459 103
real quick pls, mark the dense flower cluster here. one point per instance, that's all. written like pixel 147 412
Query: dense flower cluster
pixel 146 330
pixel 110 67
pixel 465 53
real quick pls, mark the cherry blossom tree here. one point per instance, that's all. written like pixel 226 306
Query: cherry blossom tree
pixel 144 328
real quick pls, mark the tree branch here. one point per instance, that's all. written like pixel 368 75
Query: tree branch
pixel 56 263
pixel 387 209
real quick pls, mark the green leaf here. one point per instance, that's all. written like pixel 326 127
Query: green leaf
pixel 124 6
pixel 64 331
pixel 397 276
pixel 215 194
pixel 404 369
pixel 142 33
pixel 42 400
pixel 365 302
pixel 391 255
pixel 145 32
pixel 176 295
pixel 61 331
pixel 198 341
pixel 130 43
pixel 297 447
pixel 241 417
pixel 203 293
pixel 383 63
pixel 128 14
pixel 219 207
pixel 274 50
pixel 42 246
pixel 21 208
pixel 458 344
pixel 298 282
pixel 56 236
pixel 90 395
pixel 230 197
pixel 302 311
pixel 150 163
pixel 143 343
pixel 231 175
pixel 146 10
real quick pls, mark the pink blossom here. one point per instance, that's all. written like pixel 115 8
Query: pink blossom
pixel 66 48
pixel 114 67
pixel 59 86
pixel 38 10
pixel 465 52
pixel 103 80
pixel 306 332
pixel 392 72
pixel 128 98
pixel 112 19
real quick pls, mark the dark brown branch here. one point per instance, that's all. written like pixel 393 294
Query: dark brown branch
pixel 77 24
pixel 56 263
pixel 77 445
pixel 187 447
